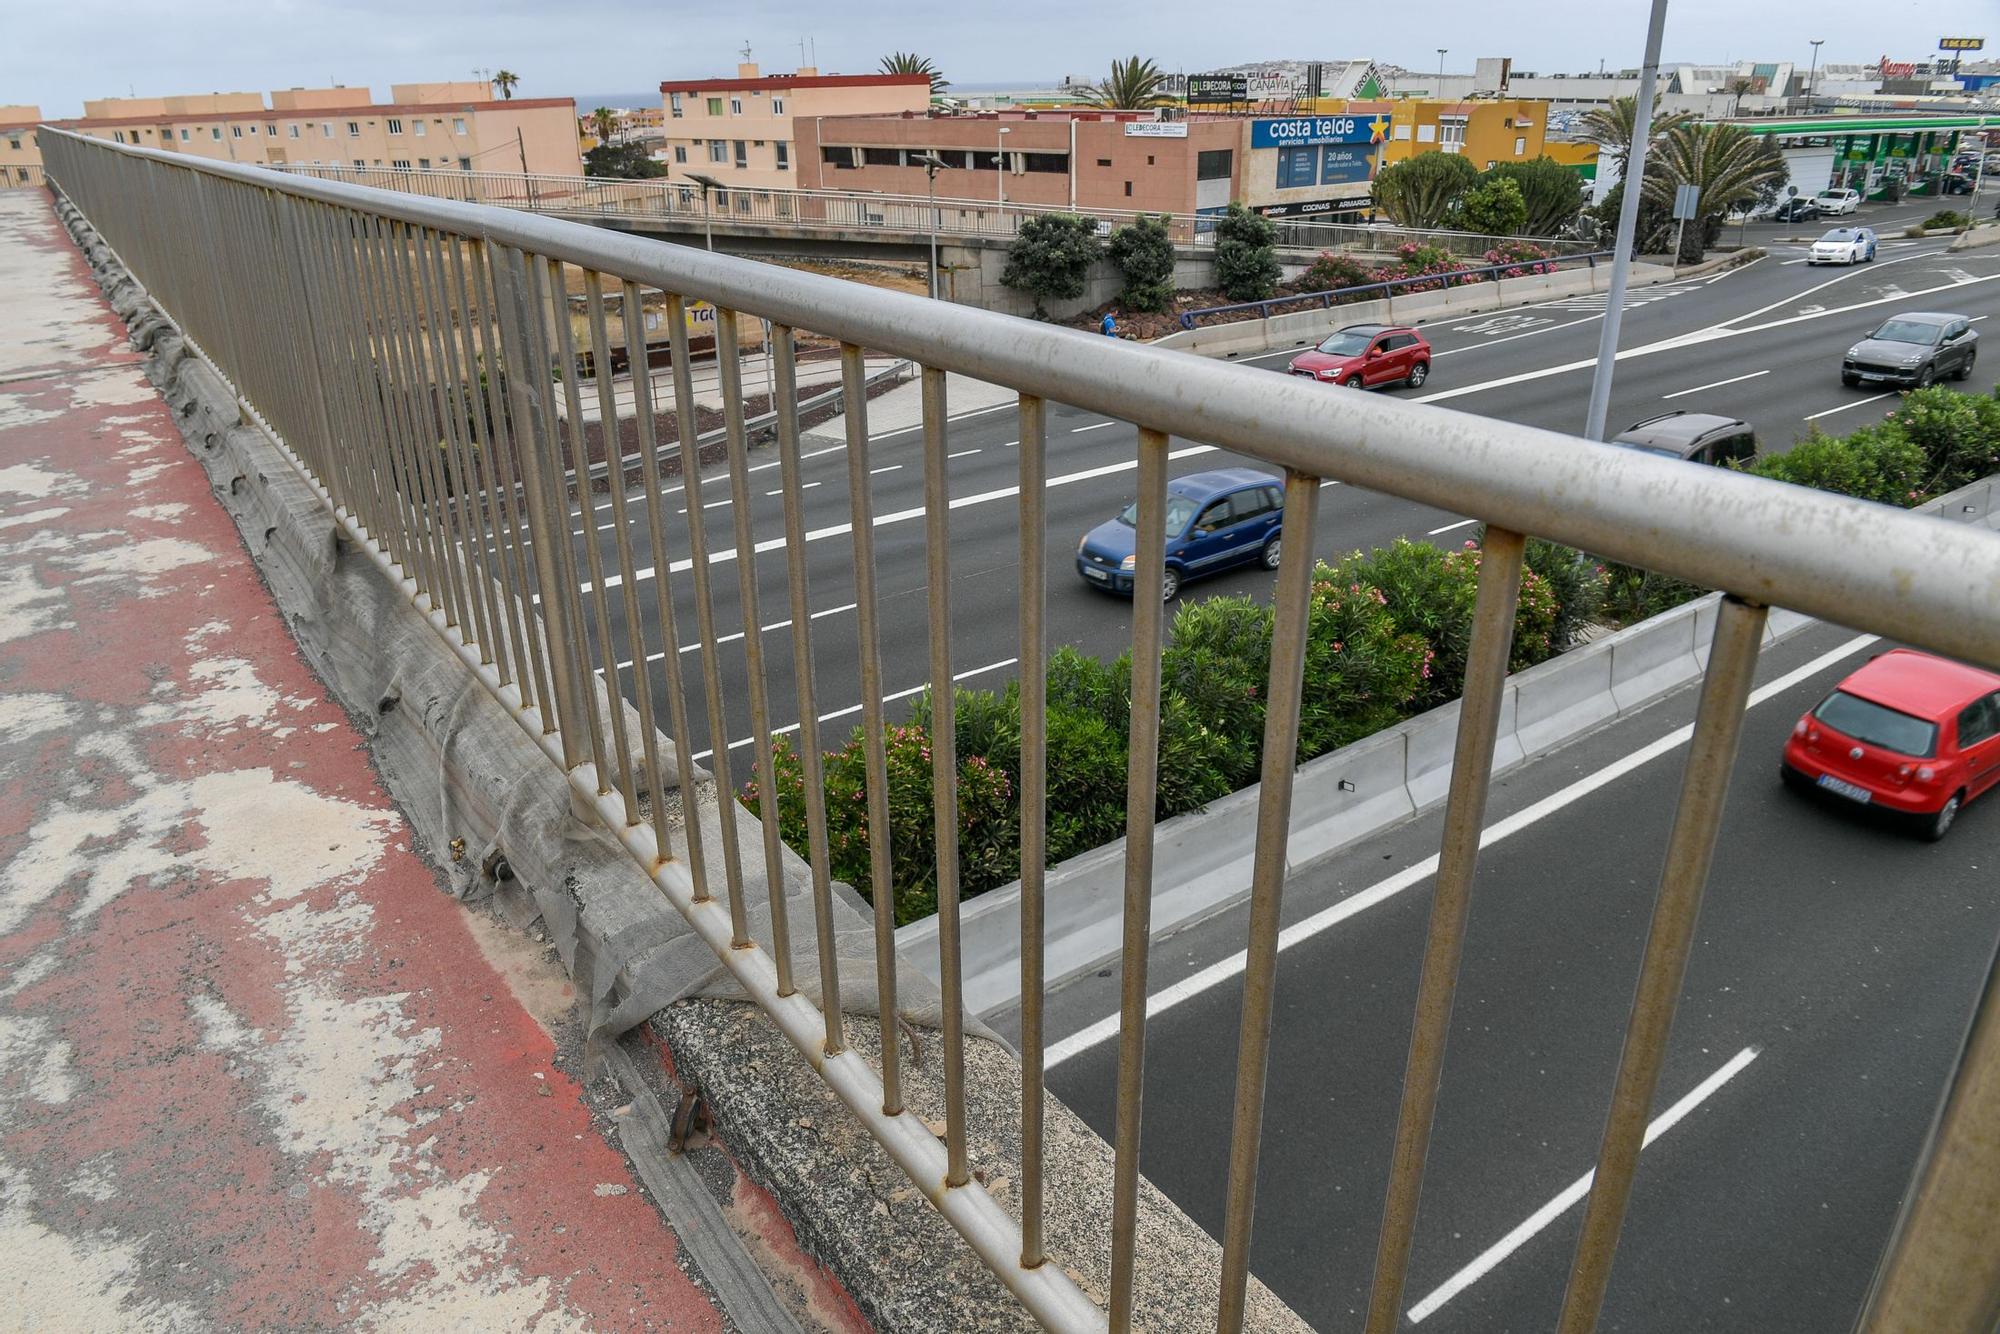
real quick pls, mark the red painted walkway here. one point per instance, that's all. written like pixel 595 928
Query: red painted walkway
pixel 255 1068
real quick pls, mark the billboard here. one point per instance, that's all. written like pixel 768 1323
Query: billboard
pixel 1961 43
pixel 1289 131
pixel 1218 88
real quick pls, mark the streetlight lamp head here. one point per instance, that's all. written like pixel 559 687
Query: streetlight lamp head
pixel 706 183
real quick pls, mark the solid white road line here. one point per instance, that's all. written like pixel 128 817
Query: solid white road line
pixel 1859 402
pixel 893 467
pixel 720 479
pixel 1326 918
pixel 1575 1192
pixel 1094 426
pixel 1715 384
pixel 781 491
pixel 1462 523
pixel 856 708
pixel 961 453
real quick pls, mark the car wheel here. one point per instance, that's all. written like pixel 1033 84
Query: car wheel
pixel 1170 584
pixel 1271 553
pixel 1941 823
pixel 1355 382
pixel 1926 377
pixel 1965 371
pixel 1851 381
pixel 1419 373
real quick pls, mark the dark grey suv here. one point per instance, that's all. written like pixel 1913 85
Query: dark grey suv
pixel 1915 348
pixel 1698 437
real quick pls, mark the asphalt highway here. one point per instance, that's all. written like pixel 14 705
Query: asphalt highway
pixel 1834 970
pixel 1761 342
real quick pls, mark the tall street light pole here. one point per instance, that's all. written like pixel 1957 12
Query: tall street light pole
pixel 1632 179
pixel 931 163
pixel 1812 77
pixel 1441 52
pixel 1000 170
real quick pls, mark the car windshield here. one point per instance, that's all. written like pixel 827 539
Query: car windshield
pixel 1347 343
pixel 1908 331
pixel 1180 510
pixel 1833 194
pixel 1839 235
pixel 1865 720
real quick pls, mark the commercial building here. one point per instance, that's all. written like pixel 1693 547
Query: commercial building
pixel 20 158
pixel 742 130
pixel 1076 158
pixel 444 126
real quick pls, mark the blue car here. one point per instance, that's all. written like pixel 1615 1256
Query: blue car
pixel 1231 516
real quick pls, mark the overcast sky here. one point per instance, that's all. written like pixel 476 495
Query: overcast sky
pixel 58 52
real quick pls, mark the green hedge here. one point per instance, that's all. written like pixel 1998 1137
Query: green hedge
pixel 1387 637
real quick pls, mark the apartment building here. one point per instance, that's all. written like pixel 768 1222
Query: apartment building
pixel 423 126
pixel 1074 158
pixel 743 131
pixel 20 159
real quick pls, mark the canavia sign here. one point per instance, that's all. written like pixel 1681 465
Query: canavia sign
pixel 1291 130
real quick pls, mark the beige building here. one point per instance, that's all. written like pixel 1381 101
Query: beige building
pixel 20 159
pixel 434 126
pixel 742 130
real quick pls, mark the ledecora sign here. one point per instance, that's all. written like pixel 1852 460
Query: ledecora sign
pixel 1291 130
pixel 1156 129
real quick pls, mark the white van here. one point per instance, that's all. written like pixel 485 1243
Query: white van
pixel 1832 203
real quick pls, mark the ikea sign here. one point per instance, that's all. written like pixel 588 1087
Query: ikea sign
pixel 1290 130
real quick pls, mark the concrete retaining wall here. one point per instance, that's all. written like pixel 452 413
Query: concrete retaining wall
pixel 1300 328
pixel 1202 859
pixel 970 275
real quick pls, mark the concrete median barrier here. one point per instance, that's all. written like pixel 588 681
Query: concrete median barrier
pixel 1643 665
pixel 1563 697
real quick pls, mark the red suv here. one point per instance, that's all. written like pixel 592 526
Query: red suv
pixel 1365 356
pixel 1908 733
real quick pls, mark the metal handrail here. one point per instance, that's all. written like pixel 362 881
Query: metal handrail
pixel 1339 295
pixel 389 298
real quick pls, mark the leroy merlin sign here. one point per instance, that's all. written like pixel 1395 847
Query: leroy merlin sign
pixel 1290 130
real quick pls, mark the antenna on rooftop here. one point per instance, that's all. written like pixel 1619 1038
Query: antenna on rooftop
pixel 746 50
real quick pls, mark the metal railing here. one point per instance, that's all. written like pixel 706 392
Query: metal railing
pixel 1421 282
pixel 352 322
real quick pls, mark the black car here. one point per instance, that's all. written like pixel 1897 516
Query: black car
pixel 1918 347
pixel 1799 208
pixel 1698 437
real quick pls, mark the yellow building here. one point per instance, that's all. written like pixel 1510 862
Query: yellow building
pixel 1487 131
pixel 20 159
pixel 739 130
pixel 455 126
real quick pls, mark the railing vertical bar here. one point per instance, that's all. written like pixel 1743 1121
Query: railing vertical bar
pixel 419 406
pixel 389 374
pixel 473 498
pixel 1141 792
pixel 628 580
pixel 944 769
pixel 364 498
pixel 1491 646
pixel 663 593
pixel 785 377
pixel 729 362
pixel 874 755
pixel 508 474
pixel 365 413
pixel 1718 725
pixel 501 610
pixel 605 669
pixel 1291 619
pixel 574 646
pixel 704 615
pixel 458 492
pixel 305 221
pixel 546 516
pixel 1033 449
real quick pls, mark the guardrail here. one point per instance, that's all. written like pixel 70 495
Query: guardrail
pixel 1520 268
pixel 347 320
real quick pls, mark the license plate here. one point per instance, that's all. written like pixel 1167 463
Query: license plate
pixel 1846 789
pixel 1099 575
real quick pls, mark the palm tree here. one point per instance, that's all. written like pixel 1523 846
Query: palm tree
pixel 909 62
pixel 1728 164
pixel 1134 85
pixel 1611 126
pixel 602 121
pixel 1738 87
pixel 505 80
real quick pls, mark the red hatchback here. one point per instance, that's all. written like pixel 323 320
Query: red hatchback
pixel 1365 356
pixel 1908 733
